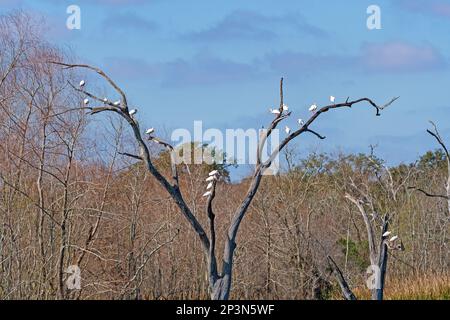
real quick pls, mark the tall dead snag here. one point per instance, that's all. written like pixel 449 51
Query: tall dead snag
pixel 219 281
pixel 436 135
pixel 377 248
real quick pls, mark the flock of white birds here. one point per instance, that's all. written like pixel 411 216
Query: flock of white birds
pixel 212 177
pixel 117 103
pixel 313 108
pixel 387 234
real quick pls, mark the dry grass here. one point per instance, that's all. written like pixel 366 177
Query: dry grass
pixel 423 288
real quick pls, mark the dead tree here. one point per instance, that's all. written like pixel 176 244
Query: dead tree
pixel 219 281
pixel 379 243
pixel 377 251
pixel 378 254
pixel 436 135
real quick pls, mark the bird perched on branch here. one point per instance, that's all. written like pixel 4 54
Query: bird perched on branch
pixel 393 238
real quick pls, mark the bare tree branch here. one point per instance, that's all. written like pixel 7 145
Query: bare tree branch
pixel 369 228
pixel 315 133
pixel 431 195
pixel 172 189
pixel 438 138
pixel 172 154
pixel 316 114
pixel 101 73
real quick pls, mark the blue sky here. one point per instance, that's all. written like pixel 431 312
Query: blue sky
pixel 220 62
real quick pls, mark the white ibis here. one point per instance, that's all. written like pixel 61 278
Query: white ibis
pixel 207 194
pixel 105 100
pixel 274 111
pixel 132 112
pixel 386 234
pixel 86 101
pixel 211 178
pixel 313 108
pixel 287 130
pixel 82 83
pixel 393 238
pixel 117 103
pixel 285 107
pixel 213 173
pixel 332 99
pixel 300 122
pixel 150 131
pixel 210 185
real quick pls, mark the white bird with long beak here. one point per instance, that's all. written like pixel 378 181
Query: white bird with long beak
pixel 132 112
pixel 313 108
pixel 105 100
pixel 210 185
pixel 150 131
pixel 287 130
pixel 274 111
pixel 213 173
pixel 117 103
pixel 386 234
pixel 82 83
pixel 207 194
pixel 211 178
pixel 86 101
pixel 285 107
pixel 300 122
pixel 393 238
pixel 332 99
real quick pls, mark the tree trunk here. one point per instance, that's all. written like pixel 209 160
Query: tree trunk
pixel 378 293
pixel 222 288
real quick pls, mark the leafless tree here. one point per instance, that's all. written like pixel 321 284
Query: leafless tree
pixel 219 281
pixel 379 243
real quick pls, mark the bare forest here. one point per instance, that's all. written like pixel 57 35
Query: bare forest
pixel 84 185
